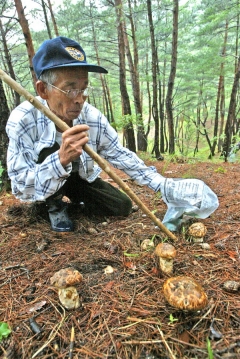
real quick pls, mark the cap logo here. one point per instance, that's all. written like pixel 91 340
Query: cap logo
pixel 76 54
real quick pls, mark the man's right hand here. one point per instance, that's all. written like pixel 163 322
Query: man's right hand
pixel 73 140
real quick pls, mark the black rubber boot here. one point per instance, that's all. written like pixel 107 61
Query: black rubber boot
pixel 58 216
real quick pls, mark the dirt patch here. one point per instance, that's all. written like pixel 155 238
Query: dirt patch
pixel 123 314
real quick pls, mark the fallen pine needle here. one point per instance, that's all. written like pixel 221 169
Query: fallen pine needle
pixel 166 344
pixel 52 334
pixel 71 343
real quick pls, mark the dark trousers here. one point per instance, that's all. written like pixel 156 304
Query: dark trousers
pixel 99 197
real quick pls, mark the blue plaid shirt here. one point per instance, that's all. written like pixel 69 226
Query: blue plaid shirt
pixel 30 131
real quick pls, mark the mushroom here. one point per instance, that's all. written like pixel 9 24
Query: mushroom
pixel 166 253
pixel 197 231
pixel 231 286
pixel 147 244
pixel 65 280
pixel 184 293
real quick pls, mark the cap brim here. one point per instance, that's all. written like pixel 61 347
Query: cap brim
pixel 89 67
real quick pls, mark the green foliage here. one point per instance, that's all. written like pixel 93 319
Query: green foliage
pixel 4 330
pixel 209 349
pixel 125 120
pixel 1 172
pixel 130 254
pixel 220 170
pixel 172 319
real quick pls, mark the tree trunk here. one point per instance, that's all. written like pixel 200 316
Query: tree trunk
pixel 219 93
pixel 109 100
pixel 154 80
pixel 128 128
pixel 53 18
pixel 222 117
pixel 27 36
pixel 149 96
pixel 133 66
pixel 161 111
pixel 237 36
pixel 46 19
pixel 4 114
pixel 169 97
pixel 16 95
pixel 106 92
pixel 231 118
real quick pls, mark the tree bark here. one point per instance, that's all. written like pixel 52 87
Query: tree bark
pixel 106 92
pixel 219 94
pixel 7 55
pixel 231 118
pixel 46 19
pixel 4 114
pixel 154 80
pixel 126 107
pixel 169 97
pixel 133 66
pixel 27 36
pixel 53 18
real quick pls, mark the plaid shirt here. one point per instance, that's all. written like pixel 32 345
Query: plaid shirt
pixel 30 131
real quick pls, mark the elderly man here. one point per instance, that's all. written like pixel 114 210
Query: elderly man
pixel 45 164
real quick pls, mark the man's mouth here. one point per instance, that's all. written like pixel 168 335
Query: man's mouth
pixel 75 111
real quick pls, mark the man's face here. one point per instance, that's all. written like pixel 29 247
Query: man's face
pixel 65 108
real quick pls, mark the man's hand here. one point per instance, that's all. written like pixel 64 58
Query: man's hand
pixel 73 141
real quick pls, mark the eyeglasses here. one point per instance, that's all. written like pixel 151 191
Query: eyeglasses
pixel 73 93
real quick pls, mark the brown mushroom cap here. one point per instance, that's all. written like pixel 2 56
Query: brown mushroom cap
pixel 184 293
pixel 66 277
pixel 197 230
pixel 165 250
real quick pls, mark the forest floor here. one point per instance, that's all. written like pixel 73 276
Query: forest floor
pixel 123 315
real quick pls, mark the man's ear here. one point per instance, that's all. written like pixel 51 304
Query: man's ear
pixel 41 89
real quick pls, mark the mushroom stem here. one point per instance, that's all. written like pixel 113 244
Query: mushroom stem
pixel 197 239
pixel 69 297
pixel 166 265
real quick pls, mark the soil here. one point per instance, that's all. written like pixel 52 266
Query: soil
pixel 123 314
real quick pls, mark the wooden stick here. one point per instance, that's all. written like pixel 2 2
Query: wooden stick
pixel 99 160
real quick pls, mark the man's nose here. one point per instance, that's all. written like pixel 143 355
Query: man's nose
pixel 79 98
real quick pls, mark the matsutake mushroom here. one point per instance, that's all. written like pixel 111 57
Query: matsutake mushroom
pixel 231 286
pixel 166 253
pixel 65 280
pixel 184 293
pixel 197 231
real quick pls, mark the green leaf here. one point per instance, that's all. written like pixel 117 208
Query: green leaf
pixel 172 319
pixel 209 349
pixel 4 330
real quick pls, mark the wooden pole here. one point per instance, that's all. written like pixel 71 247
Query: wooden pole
pixel 99 160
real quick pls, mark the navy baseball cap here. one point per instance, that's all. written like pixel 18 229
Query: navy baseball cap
pixel 62 52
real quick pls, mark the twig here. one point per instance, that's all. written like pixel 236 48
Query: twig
pixel 134 294
pixel 15 276
pixel 71 343
pixel 204 316
pixel 110 334
pixel 136 342
pixel 166 344
pixel 13 266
